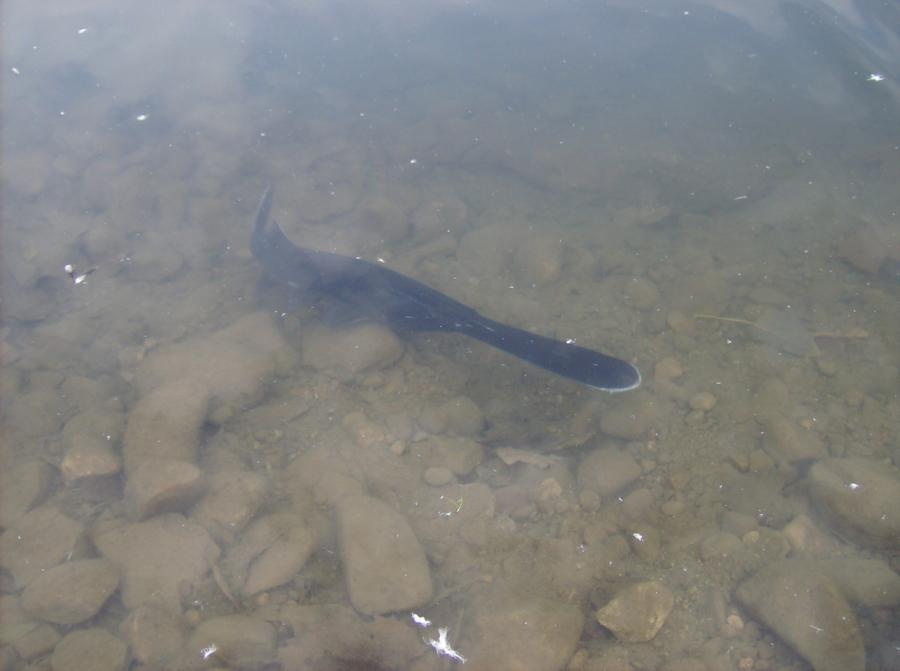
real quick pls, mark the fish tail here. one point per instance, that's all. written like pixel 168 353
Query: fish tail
pixel 262 212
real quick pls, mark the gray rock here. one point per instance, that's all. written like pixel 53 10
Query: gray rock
pixel 438 476
pixel 89 650
pixel 759 495
pixel 721 546
pixel 231 364
pixel 459 455
pixel 270 553
pixel 637 613
pixel 334 636
pixel 165 424
pixel 72 592
pixel 154 263
pixel 32 415
pixel 384 564
pixel 158 558
pixel 36 642
pixel 538 260
pixel 807 610
pixel 868 582
pixel 40 540
pixel 607 471
pixel 788 442
pixel 348 352
pixel 642 293
pixel 154 635
pixel 458 415
pixel 630 418
pixel 244 641
pixel 96 423
pixel 21 487
pixel 861 497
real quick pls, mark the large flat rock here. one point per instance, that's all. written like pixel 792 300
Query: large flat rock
pixel 384 564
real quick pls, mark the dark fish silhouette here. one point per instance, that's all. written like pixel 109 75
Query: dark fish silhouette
pixel 371 291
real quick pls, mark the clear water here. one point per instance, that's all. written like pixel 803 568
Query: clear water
pixel 602 172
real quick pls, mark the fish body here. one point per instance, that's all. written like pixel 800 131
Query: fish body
pixel 375 292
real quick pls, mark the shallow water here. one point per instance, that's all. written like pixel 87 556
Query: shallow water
pixel 259 486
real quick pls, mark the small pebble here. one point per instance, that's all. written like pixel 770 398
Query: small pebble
pixel 680 322
pixel 826 366
pixel 667 369
pixel 703 401
pixel 642 293
pixel 694 418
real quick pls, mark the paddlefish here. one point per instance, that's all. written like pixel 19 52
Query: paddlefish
pixel 374 292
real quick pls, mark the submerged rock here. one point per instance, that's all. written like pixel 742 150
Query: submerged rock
pixel 270 553
pixel 807 610
pixel 348 352
pixel 89 650
pixel 637 613
pixel 72 592
pixel 384 563
pixel 158 558
pixel 861 497
pixel 524 632
pixel 21 487
pixel 243 640
pixel 40 540
pixel 607 471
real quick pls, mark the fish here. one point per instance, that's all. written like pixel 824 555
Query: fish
pixel 376 293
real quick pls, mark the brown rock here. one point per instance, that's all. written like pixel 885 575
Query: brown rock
pixel 637 613
pixel 89 458
pixel 162 486
pixel 72 592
